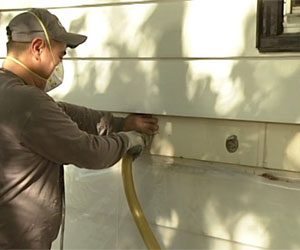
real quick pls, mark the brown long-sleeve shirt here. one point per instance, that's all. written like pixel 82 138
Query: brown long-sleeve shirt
pixel 38 136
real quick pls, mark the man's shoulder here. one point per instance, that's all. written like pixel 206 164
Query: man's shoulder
pixel 14 91
pixel 8 79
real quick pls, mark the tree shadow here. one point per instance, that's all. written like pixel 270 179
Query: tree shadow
pixel 248 194
pixel 169 190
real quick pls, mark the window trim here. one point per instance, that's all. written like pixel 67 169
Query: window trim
pixel 296 2
pixel 269 30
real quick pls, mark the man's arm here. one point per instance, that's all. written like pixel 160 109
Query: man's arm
pixel 50 132
pixel 87 119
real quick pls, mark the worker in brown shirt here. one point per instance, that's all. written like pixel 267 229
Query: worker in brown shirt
pixel 38 135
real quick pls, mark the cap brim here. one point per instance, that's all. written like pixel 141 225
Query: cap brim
pixel 71 39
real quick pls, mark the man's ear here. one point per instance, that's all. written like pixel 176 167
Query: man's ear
pixel 36 47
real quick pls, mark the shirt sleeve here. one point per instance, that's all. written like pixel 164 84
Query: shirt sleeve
pixel 87 119
pixel 50 132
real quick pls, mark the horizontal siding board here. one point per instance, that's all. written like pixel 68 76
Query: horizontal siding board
pixel 21 4
pixel 250 90
pixel 160 29
pixel 282 147
pixel 254 90
pixel 205 139
pixel 222 82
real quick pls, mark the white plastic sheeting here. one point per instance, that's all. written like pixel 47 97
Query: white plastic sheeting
pixel 190 204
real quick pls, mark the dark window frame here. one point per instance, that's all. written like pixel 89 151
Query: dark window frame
pixel 269 32
pixel 296 2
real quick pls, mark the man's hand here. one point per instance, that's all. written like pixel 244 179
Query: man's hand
pixel 145 124
pixel 137 142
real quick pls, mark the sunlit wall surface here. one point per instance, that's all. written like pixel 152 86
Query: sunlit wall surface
pixel 203 52
pixel 184 60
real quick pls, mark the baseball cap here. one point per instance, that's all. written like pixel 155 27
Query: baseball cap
pixel 25 27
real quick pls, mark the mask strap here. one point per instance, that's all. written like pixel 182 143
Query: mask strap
pixel 45 31
pixel 25 67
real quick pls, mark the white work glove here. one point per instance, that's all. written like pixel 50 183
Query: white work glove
pixel 137 142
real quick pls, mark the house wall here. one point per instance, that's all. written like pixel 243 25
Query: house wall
pixel 195 66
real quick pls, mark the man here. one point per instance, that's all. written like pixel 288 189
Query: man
pixel 38 135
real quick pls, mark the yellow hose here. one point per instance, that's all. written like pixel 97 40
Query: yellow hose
pixel 134 205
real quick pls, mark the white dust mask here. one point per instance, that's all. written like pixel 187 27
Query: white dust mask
pixel 56 77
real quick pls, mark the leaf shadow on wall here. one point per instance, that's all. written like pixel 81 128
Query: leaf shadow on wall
pixel 170 198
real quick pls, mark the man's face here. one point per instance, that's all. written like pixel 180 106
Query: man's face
pixel 49 60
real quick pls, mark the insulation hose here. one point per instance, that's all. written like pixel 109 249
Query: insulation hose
pixel 134 204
